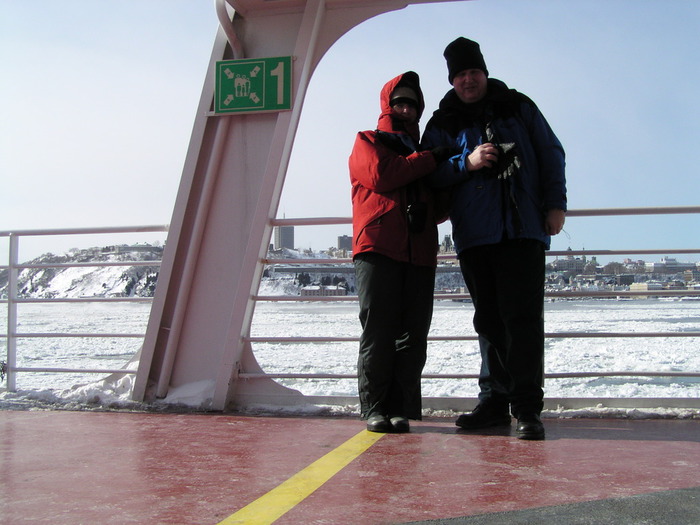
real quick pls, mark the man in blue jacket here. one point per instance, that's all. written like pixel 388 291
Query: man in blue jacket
pixel 508 197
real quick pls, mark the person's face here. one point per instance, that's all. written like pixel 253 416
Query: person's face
pixel 405 112
pixel 470 85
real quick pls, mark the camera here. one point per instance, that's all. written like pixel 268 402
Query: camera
pixel 417 214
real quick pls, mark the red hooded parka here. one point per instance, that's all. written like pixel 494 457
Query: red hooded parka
pixel 385 181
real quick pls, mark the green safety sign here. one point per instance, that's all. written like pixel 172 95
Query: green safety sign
pixel 256 84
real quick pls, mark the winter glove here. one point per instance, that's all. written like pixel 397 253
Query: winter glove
pixel 442 153
pixel 508 160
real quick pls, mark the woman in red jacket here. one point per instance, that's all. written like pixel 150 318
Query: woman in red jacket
pixel 395 242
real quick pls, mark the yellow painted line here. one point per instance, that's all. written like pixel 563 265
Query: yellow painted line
pixel 290 493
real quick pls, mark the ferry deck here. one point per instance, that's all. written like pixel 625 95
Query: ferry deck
pixel 83 467
pixel 117 467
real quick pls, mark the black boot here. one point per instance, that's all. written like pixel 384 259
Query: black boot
pixel 529 427
pixel 378 423
pixel 400 424
pixel 484 416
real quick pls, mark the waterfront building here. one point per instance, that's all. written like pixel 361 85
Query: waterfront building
pixel 669 265
pixel 324 291
pixel 570 264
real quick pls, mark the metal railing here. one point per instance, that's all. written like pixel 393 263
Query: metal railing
pixel 9 367
pixel 13 300
pixel 452 296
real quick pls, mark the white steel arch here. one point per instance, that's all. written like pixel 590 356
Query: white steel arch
pixel 229 193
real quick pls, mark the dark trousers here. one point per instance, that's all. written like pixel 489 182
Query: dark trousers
pixel 506 282
pixel 396 307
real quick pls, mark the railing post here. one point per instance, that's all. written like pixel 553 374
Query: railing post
pixel 13 274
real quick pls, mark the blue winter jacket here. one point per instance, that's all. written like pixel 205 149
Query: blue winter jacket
pixel 486 208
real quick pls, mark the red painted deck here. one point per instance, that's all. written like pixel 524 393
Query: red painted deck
pixel 65 467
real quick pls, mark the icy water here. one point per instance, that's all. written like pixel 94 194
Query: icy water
pixel 75 352
pixel 340 320
pixel 462 357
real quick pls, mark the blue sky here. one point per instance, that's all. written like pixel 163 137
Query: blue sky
pixel 98 104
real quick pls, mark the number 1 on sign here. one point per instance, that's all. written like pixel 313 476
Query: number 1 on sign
pixel 279 73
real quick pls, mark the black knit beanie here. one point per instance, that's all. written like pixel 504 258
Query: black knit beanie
pixel 462 54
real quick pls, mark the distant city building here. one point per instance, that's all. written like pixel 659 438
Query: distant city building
pixel 344 242
pixel 124 248
pixel 284 237
pixel 669 265
pixel 624 279
pixel 569 264
pixel 692 275
pixel 648 285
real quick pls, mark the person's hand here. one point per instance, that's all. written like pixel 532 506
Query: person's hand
pixel 554 222
pixel 483 156
pixel 442 153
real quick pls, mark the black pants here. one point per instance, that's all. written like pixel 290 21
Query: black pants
pixel 396 307
pixel 506 282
